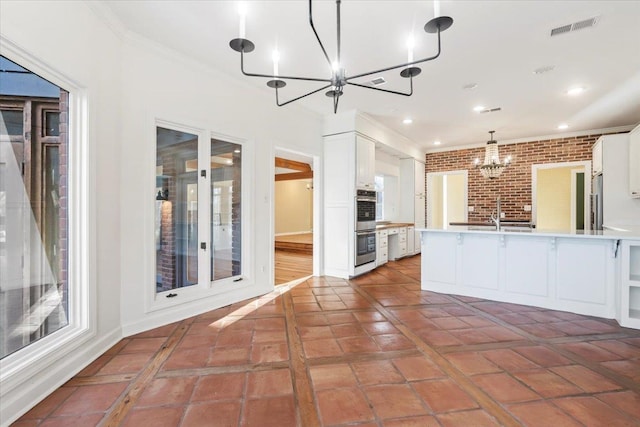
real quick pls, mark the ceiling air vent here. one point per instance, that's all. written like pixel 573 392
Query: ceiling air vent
pixel 378 81
pixel 587 23
pixel 491 110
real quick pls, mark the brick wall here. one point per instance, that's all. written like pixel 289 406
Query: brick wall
pixel 514 185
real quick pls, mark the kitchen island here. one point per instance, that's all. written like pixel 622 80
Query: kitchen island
pixel 594 273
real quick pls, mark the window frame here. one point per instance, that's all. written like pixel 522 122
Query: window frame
pixel 17 368
pixel 155 301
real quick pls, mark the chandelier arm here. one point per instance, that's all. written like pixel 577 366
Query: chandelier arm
pixel 401 65
pixel 316 34
pixel 300 97
pixel 336 99
pixel 385 90
pixel 270 76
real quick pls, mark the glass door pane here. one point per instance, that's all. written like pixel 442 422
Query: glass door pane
pixel 226 231
pixel 176 226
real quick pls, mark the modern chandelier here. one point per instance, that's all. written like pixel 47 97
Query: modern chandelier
pixel 339 78
pixel 492 168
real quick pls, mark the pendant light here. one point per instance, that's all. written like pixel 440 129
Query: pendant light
pixel 492 167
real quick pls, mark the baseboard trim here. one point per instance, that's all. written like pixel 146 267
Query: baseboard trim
pixel 30 393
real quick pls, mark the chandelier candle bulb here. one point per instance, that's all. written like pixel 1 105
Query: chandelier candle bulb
pixel 436 8
pixel 242 11
pixel 410 45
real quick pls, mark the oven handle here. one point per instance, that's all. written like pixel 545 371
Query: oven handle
pixel 365 200
pixel 363 232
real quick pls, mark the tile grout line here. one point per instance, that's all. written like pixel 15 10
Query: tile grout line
pixel 553 345
pixel 485 401
pixel 134 390
pixel 303 392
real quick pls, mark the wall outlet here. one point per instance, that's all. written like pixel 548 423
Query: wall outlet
pixel 527 208
pixel 502 215
pixel 471 209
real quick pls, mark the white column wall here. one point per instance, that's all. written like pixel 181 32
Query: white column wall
pixel 68 39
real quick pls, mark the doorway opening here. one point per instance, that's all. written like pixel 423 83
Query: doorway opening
pixel 560 196
pixel 294 214
pixel 446 198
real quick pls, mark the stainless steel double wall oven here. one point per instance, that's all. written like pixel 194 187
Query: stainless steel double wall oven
pixel 365 227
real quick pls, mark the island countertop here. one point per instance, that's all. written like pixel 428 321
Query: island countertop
pixel 618 232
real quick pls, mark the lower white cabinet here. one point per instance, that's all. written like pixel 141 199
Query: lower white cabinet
pixel 411 240
pixel 382 247
pixel 397 243
pixel 630 278
pixel 563 272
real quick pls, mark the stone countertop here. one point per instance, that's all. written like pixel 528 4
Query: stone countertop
pixel 618 232
pixel 394 225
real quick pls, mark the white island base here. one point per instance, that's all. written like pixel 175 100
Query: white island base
pixel 575 273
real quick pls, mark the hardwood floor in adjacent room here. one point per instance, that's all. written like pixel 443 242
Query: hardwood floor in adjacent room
pixel 372 351
pixel 292 265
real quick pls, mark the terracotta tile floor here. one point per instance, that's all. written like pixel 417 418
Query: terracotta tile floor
pixel 373 351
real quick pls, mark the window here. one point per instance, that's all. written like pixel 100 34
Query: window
pixel 198 233
pixel 379 181
pixel 33 209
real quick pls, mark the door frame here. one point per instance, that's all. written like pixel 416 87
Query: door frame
pixel 586 164
pixel 318 243
pixel 430 176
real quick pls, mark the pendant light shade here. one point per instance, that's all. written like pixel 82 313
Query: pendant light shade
pixel 492 167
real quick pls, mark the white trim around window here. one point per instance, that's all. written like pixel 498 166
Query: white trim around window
pixel 48 355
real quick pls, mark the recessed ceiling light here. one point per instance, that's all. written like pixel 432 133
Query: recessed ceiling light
pixel 407 121
pixel 544 69
pixel 479 108
pixel 470 86
pixel 575 90
pixel 437 142
pixel 563 126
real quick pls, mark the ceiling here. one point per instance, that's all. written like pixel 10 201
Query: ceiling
pixel 495 45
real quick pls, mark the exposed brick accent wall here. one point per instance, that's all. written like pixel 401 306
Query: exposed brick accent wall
pixel 167 158
pixel 514 185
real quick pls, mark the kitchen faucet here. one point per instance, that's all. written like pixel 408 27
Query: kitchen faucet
pixel 496 218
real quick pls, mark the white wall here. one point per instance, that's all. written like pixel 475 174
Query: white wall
pixel 293 206
pixel 68 39
pixel 129 84
pixel 162 84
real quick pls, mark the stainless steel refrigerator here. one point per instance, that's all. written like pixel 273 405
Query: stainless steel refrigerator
pixel 596 202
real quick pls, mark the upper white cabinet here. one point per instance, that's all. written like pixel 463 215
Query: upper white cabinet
pixel 597 157
pixel 618 208
pixel 634 163
pixel 365 163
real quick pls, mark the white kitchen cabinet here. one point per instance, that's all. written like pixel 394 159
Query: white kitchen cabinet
pixel 596 157
pixel 575 273
pixel 397 242
pixel 412 199
pixel 339 205
pixel 365 163
pixel 382 247
pixel 618 208
pixel 411 240
pixel 630 275
pixel 634 163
